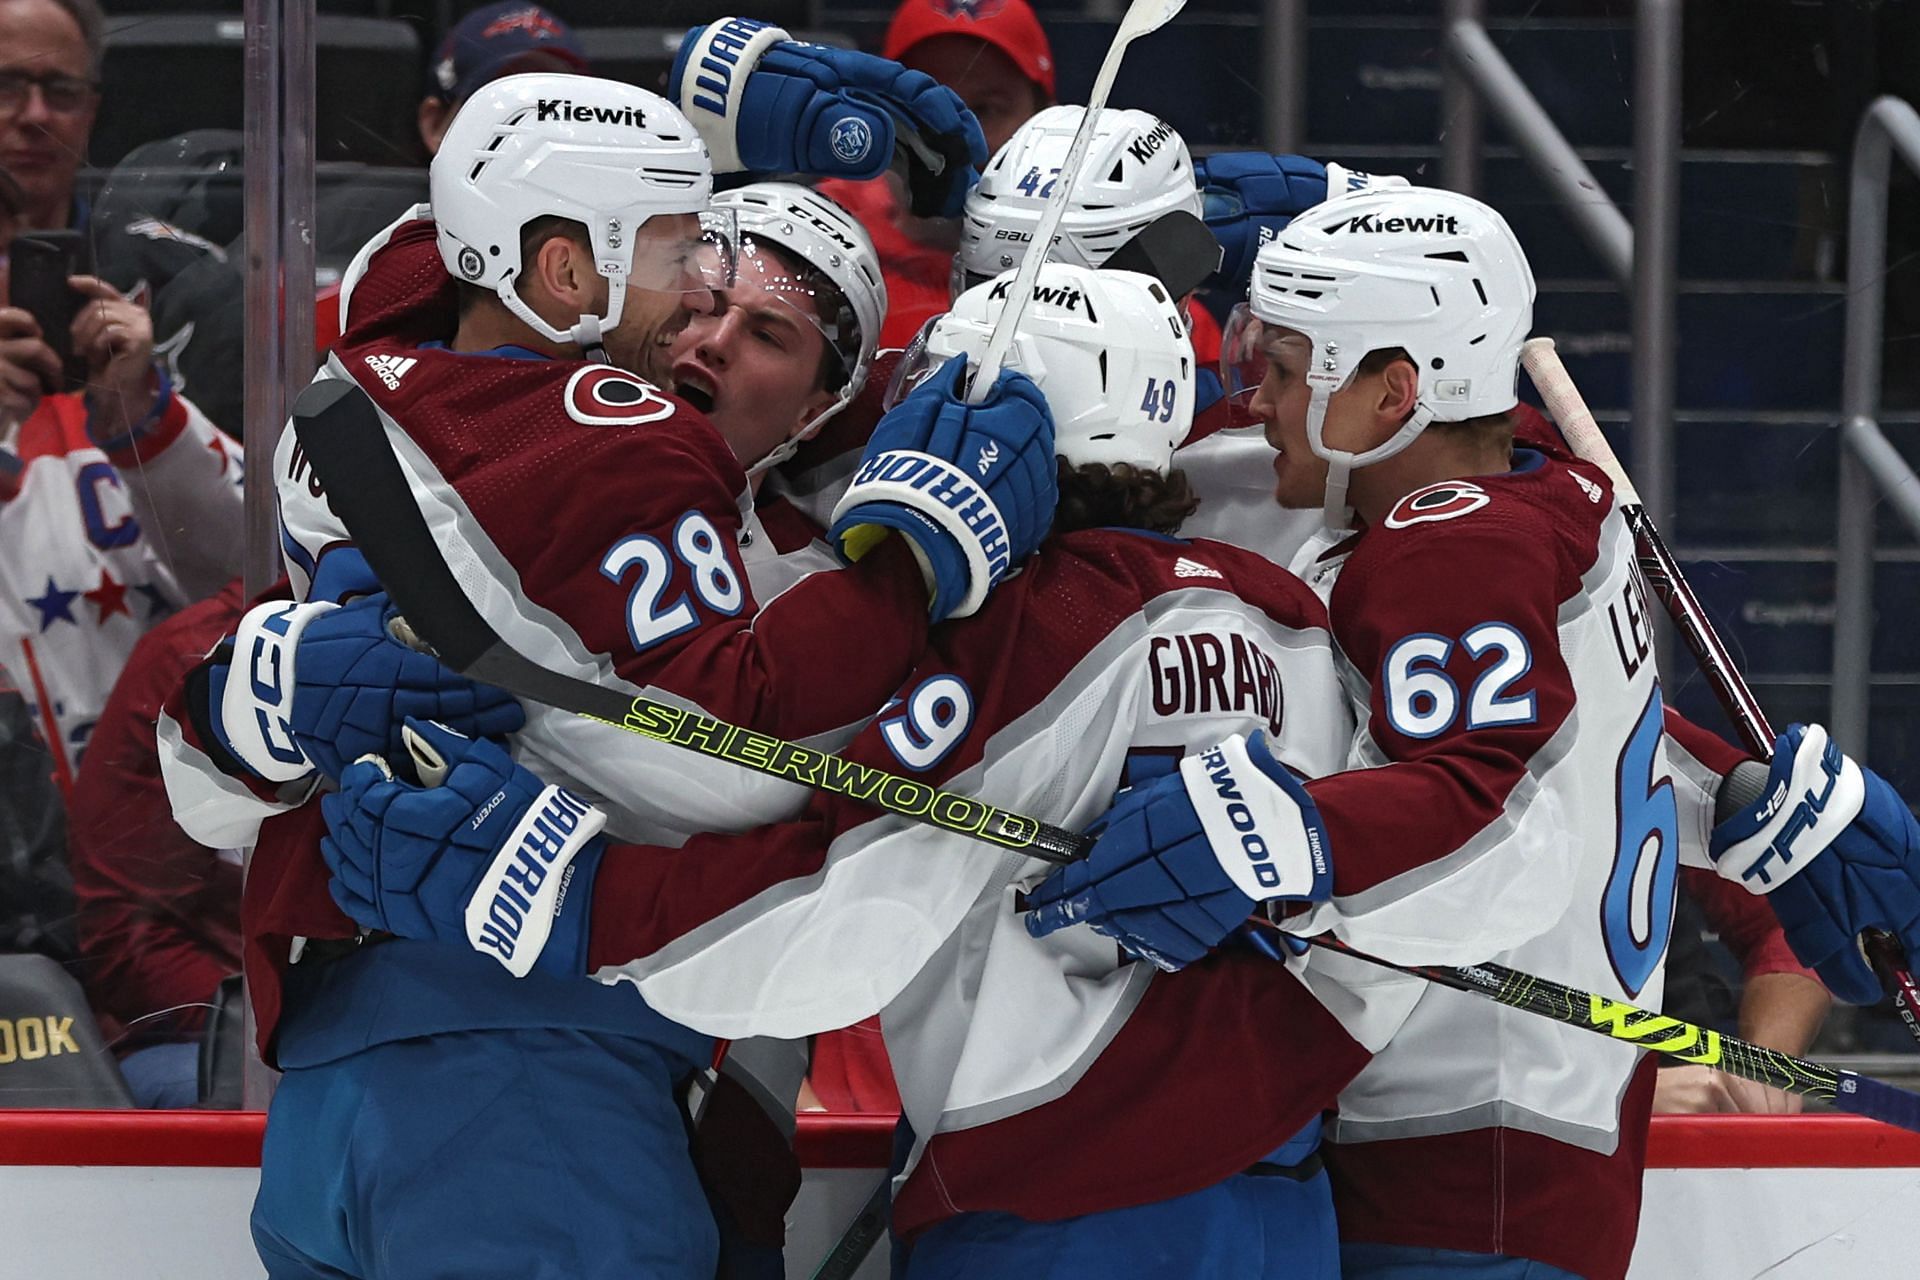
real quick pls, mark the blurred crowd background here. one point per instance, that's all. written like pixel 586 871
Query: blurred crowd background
pixel 121 163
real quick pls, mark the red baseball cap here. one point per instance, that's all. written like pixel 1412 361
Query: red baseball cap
pixel 1010 26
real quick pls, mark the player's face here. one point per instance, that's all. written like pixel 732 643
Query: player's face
pixel 668 288
pixel 1280 402
pixel 754 363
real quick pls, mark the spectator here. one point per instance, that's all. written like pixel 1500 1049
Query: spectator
pixel 159 915
pixel 118 503
pixel 36 893
pixel 1781 1006
pixel 994 54
pixel 49 92
pixel 501 39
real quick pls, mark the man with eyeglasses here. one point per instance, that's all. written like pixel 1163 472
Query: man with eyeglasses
pixel 49 93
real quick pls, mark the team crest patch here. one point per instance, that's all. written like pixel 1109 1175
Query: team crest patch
pixel 1448 500
pixel 975 9
pixel 851 140
pixel 599 396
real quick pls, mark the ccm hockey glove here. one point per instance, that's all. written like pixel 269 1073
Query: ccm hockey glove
pixel 488 856
pixel 1180 862
pixel 1248 197
pixel 1834 848
pixel 766 103
pixel 318 685
pixel 973 487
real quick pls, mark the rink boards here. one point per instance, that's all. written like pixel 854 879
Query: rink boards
pixel 164 1195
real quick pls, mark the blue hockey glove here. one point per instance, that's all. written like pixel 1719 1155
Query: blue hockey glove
pixel 1180 862
pixel 1248 197
pixel 319 685
pixel 972 486
pixel 765 103
pixel 1836 851
pixel 490 857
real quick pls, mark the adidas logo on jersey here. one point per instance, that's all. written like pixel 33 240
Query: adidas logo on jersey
pixel 390 369
pixel 1185 568
pixel 1587 486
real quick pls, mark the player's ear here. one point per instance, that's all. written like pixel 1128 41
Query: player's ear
pixel 565 273
pixel 1399 391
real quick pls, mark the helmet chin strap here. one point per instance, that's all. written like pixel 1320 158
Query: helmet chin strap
pixel 1335 513
pixel 791 445
pixel 588 333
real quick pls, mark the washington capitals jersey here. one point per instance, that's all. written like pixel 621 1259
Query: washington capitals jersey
pixel 1111 655
pixel 96 546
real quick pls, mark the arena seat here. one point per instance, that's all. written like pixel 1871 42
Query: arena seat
pixel 165 74
pixel 51 1052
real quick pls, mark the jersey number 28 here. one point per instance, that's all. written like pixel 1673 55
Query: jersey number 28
pixel 697 545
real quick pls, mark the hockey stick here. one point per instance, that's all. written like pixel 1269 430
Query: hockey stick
pixel 345 440
pixel 1643 1029
pixel 857 1241
pixel 1662 573
pixel 1142 16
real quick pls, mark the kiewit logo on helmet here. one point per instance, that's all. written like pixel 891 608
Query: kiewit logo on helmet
pixel 567 110
pixel 1143 148
pixel 1052 295
pixel 1435 224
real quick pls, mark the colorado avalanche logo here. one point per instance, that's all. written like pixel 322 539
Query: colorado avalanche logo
pixel 1448 500
pixel 599 396
pixel 975 9
pixel 851 140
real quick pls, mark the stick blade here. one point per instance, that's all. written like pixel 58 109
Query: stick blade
pixel 1143 16
pixel 1176 249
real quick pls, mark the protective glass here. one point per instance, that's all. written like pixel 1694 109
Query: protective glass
pixel 765 276
pixel 917 364
pixel 685 253
pixel 1248 346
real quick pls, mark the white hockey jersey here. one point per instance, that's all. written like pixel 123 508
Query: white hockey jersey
pixel 96 546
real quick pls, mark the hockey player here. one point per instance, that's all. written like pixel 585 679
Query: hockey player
pixel 1074 1114
pixel 638 582
pixel 1515 801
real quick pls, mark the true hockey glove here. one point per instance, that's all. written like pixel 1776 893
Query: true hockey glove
pixel 972 487
pixel 765 103
pixel 319 685
pixel 1248 197
pixel 1836 851
pixel 1180 862
pixel 490 857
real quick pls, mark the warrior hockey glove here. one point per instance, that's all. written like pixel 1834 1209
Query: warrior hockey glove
pixel 765 103
pixel 490 857
pixel 319 685
pixel 972 486
pixel 1836 851
pixel 1248 197
pixel 1180 862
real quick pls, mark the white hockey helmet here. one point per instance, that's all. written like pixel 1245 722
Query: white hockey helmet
pixel 603 153
pixel 827 238
pixel 1435 273
pixel 1109 349
pixel 1136 169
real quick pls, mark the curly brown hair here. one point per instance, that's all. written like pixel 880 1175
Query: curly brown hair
pixel 1095 495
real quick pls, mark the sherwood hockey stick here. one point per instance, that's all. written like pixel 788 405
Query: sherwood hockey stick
pixel 1142 16
pixel 345 441
pixel 1644 1029
pixel 1662 573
